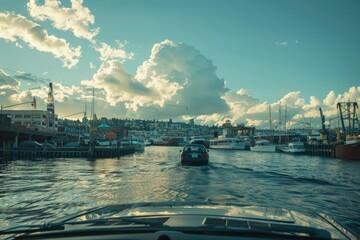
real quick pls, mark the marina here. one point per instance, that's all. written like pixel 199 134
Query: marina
pixel 177 119
pixel 103 139
pixel 10 135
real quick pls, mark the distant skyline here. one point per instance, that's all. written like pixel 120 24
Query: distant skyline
pixel 210 60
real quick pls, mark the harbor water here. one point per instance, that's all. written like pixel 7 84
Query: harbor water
pixel 35 191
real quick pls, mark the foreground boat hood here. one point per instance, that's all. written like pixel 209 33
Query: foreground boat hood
pixel 222 215
pixel 179 220
pixel 246 212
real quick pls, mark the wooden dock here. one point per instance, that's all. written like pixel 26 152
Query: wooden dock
pixel 322 150
pixel 82 152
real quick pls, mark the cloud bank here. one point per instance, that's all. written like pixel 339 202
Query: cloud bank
pixel 127 93
pixel 175 77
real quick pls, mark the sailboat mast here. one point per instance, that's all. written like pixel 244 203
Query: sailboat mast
pixel 279 130
pixel 285 120
pixel 270 117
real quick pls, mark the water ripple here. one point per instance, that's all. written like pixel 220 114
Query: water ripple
pixel 41 190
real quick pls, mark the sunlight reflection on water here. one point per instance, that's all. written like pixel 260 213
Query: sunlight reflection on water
pixel 37 191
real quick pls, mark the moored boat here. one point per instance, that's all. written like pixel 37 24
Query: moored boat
pixel 348 150
pixel 228 143
pixel 263 145
pixel 294 147
pixel 138 144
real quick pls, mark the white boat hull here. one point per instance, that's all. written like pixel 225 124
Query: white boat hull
pixel 234 146
pixel 293 151
pixel 294 148
pixel 138 145
pixel 228 144
pixel 268 148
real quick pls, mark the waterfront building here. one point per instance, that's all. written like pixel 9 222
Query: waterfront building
pixel 38 120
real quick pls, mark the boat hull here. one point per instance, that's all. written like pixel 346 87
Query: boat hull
pixel 239 146
pixel 348 151
pixel 263 148
pixel 293 152
pixel 228 144
pixel 295 148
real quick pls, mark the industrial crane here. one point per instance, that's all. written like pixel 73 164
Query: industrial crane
pixel 348 111
pixel 324 133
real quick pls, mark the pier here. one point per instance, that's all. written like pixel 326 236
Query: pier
pixel 10 135
pixel 84 152
pixel 322 150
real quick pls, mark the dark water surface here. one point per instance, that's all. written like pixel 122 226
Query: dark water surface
pixel 41 190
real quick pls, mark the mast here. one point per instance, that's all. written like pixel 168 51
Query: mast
pixel 50 100
pixel 285 120
pixel 51 106
pixel 270 117
pixel 271 132
pixel 279 123
pixel 92 127
pixel 85 120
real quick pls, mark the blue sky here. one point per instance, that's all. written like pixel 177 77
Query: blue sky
pixel 148 59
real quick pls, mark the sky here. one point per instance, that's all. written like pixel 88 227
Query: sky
pixel 207 60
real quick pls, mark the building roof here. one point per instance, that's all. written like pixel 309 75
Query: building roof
pixel 104 125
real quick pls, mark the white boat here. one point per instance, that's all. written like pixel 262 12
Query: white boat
pixel 228 143
pixel 125 142
pixel 148 143
pixel 139 144
pixel 263 145
pixel 294 147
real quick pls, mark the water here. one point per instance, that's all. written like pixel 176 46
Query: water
pixel 41 190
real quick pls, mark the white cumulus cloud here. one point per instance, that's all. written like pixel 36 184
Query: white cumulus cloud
pixel 75 19
pixel 176 80
pixel 120 86
pixel 14 27
pixel 199 88
pixel 108 53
